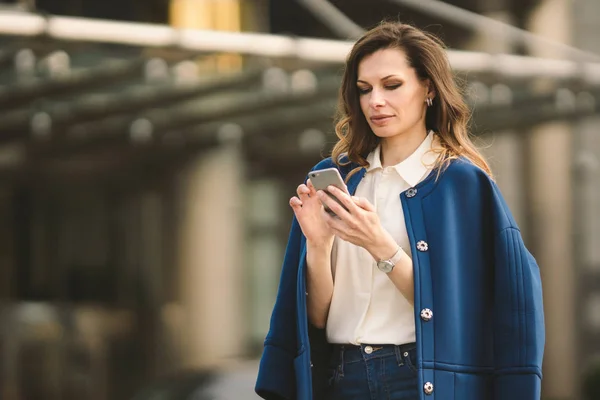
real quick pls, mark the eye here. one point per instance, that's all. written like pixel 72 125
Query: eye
pixel 394 86
pixel 362 91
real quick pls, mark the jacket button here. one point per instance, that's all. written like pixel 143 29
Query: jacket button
pixel 412 192
pixel 422 245
pixel 428 388
pixel 426 314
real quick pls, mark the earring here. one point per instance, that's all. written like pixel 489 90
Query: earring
pixel 429 101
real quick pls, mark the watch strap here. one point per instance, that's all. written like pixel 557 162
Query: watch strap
pixel 397 256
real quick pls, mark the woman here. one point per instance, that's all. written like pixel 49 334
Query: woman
pixel 423 289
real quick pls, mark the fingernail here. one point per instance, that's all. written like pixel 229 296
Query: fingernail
pixel 355 198
pixel 320 193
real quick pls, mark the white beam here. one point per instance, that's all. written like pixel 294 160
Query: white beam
pixel 268 45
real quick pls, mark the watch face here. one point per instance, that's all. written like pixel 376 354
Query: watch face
pixel 385 266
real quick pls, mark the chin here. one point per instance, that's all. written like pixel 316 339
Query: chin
pixel 385 131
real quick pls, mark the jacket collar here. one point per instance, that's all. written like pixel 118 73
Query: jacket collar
pixel 354 180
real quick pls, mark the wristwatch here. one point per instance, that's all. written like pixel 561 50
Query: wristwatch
pixel 388 265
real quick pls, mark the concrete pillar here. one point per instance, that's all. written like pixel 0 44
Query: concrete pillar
pixel 552 19
pixel 551 217
pixel 505 154
pixel 211 263
pixel 551 198
pixel 503 150
pixel 586 19
pixel 265 251
pixel 586 236
pixel 490 42
pixel 7 246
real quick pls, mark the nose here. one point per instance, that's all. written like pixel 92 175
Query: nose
pixel 376 99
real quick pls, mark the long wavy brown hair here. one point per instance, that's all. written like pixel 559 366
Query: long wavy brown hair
pixel 448 117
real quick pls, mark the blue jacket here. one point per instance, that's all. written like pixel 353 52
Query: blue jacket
pixel 478 299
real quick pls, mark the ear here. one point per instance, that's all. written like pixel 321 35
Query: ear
pixel 431 93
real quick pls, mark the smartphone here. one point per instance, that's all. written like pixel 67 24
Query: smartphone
pixel 325 177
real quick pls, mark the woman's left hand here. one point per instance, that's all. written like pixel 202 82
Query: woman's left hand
pixel 359 225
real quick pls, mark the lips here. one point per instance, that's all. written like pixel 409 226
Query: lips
pixel 381 119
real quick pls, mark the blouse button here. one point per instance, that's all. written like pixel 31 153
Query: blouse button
pixel 412 192
pixel 422 245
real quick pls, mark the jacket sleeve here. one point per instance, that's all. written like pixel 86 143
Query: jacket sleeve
pixel 519 334
pixel 276 377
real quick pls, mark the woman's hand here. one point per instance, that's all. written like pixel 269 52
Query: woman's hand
pixel 359 225
pixel 309 213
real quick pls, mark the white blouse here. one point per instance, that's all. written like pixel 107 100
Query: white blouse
pixel 366 306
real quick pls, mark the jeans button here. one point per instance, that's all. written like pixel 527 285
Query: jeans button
pixel 368 349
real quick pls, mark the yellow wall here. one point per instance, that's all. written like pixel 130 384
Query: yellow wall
pixel 222 15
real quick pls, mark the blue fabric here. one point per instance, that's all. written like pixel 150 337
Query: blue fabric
pixel 486 337
pixel 389 373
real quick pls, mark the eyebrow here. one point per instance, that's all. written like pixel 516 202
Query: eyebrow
pixel 383 79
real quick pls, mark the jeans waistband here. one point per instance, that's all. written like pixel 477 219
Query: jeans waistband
pixel 350 352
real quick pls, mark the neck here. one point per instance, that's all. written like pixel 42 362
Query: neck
pixel 398 148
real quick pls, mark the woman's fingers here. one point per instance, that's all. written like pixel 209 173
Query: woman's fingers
pixel 333 205
pixel 343 197
pixel 363 203
pixel 303 192
pixel 337 226
pixel 295 203
pixel 329 219
pixel 311 188
pixel 351 201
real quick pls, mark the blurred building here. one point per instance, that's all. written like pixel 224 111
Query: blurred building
pixel 146 172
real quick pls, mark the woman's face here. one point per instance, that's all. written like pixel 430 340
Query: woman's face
pixel 392 97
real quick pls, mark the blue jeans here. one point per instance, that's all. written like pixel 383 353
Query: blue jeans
pixel 373 372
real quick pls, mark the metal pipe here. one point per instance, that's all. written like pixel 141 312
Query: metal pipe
pixel 200 135
pixel 319 50
pixel 560 106
pixel 261 125
pixel 333 18
pixel 111 105
pixel 75 81
pixel 150 127
pixel 219 107
pixel 481 23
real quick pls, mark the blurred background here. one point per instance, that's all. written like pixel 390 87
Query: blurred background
pixel 148 150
